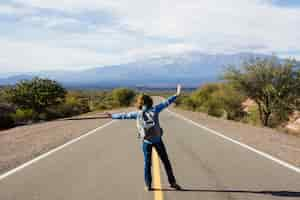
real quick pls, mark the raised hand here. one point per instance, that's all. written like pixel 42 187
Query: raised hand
pixel 178 90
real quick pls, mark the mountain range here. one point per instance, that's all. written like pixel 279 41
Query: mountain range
pixel 191 69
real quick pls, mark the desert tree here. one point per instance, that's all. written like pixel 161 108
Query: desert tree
pixel 273 84
pixel 37 94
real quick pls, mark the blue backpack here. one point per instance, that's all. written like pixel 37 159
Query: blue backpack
pixel 148 124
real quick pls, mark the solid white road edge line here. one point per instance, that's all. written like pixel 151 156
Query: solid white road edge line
pixel 26 164
pixel 268 156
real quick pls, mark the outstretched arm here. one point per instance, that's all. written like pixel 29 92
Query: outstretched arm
pixel 168 101
pixel 129 115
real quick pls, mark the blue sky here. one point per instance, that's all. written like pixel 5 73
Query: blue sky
pixel 287 3
pixel 76 34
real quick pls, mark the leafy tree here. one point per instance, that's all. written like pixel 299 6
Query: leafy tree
pixel 202 97
pixel 37 94
pixel 123 96
pixel 231 101
pixel 22 115
pixel 218 99
pixel 6 118
pixel 185 102
pixel 274 86
pixel 3 94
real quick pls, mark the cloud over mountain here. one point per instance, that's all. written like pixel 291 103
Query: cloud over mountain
pixel 190 69
pixel 75 34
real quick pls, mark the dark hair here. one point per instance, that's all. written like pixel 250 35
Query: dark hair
pixel 142 100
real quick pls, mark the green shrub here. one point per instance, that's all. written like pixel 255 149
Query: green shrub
pixel 4 98
pixel 252 116
pixel 23 115
pixel 83 101
pixel 123 96
pixel 6 116
pixel 37 94
pixel 216 99
pixel 185 102
pixel 215 107
pixel 231 100
pixel 54 102
pixel 72 106
pixel 105 106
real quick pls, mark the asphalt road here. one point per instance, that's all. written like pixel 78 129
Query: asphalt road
pixel 108 164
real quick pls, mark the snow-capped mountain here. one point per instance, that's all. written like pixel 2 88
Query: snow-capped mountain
pixel 190 69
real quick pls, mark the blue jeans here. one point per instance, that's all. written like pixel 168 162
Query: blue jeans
pixel 162 153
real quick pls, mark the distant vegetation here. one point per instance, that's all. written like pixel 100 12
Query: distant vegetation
pixel 43 99
pixel 273 86
pixel 216 99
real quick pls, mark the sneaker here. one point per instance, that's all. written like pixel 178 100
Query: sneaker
pixel 148 188
pixel 175 186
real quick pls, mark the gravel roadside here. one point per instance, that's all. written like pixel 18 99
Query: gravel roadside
pixel 21 144
pixel 280 145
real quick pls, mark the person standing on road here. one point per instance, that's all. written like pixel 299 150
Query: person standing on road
pixel 150 132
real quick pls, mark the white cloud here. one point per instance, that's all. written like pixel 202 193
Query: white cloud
pixel 52 21
pixel 24 56
pixel 212 26
pixel 13 10
pixel 4 9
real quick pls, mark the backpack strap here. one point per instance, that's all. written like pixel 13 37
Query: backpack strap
pixel 139 125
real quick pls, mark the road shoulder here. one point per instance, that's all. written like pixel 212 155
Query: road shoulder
pixel 280 145
pixel 21 144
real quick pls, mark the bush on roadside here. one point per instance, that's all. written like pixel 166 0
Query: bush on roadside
pixel 43 99
pixel 103 101
pixel 216 99
pixel 252 116
pixel 215 107
pixel 37 94
pixel 4 94
pixel 23 115
pixel 6 118
pixel 72 106
pixel 123 96
pixel 185 102
pixel 75 106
